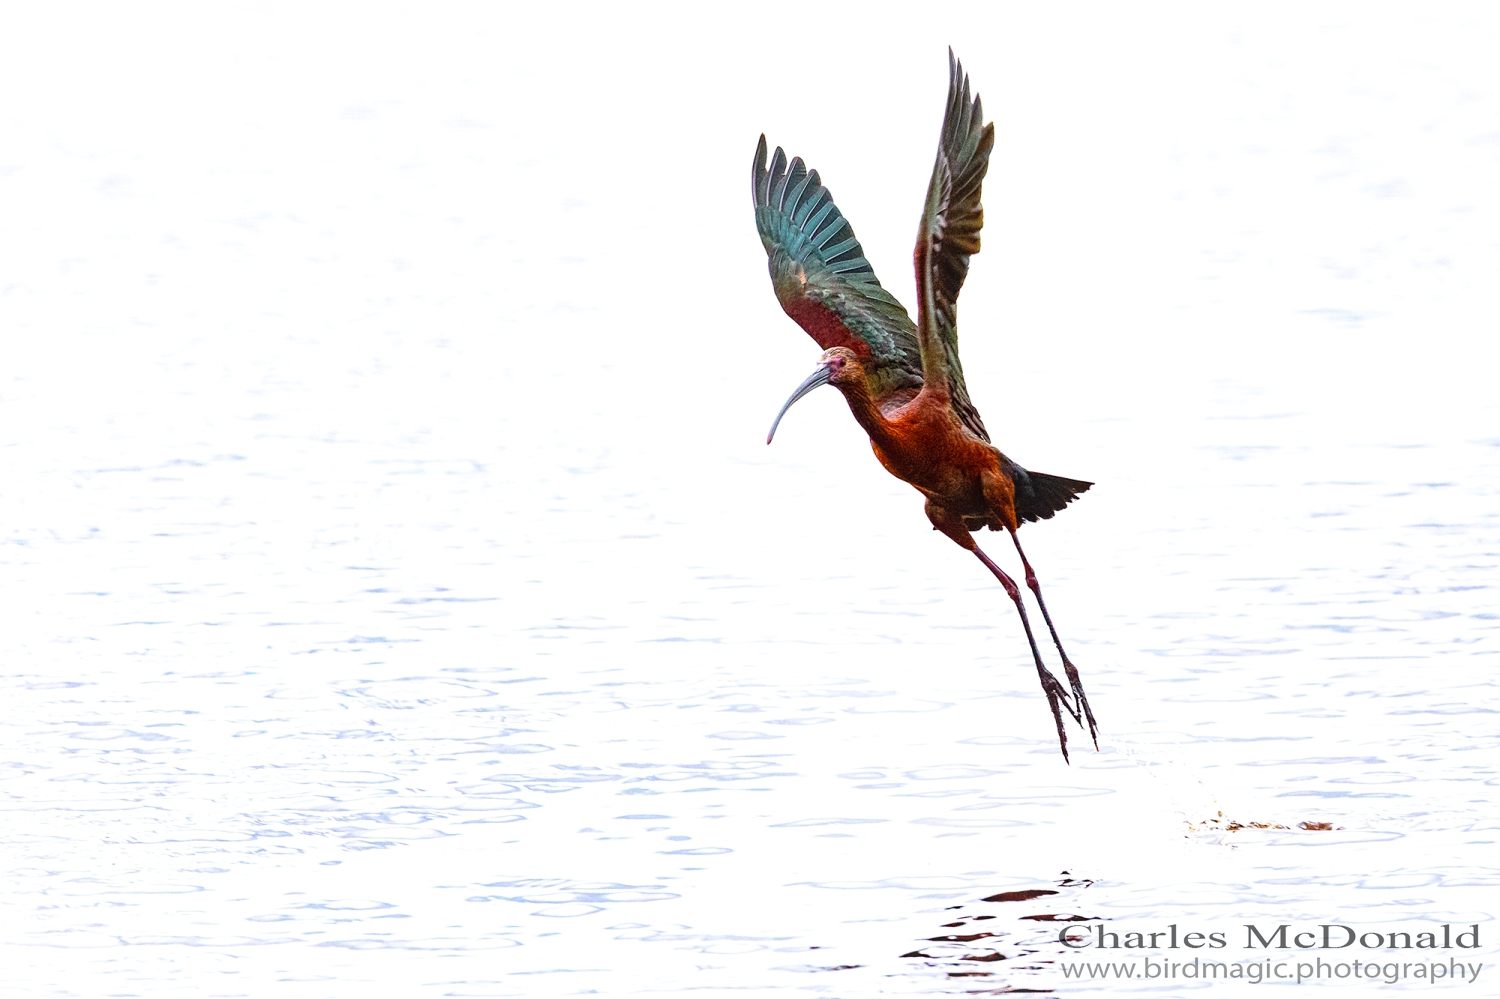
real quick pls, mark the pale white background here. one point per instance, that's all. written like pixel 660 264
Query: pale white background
pixel 400 598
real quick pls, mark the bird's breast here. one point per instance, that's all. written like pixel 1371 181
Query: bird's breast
pixel 944 465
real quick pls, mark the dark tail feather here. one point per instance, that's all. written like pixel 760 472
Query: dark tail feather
pixel 1039 496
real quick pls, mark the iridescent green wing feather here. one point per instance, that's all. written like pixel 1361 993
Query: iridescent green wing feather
pixel 822 278
pixel 949 235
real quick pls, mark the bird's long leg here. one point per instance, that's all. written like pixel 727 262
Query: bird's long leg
pixel 1051 686
pixel 1068 667
pixel 952 524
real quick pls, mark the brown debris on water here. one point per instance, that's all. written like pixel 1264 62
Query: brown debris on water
pixel 1221 824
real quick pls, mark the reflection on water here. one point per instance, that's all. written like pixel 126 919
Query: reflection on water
pixel 401 597
pixel 985 937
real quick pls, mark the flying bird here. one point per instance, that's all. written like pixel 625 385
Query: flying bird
pixel 903 381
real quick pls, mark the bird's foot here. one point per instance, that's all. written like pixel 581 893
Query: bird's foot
pixel 1054 688
pixel 1057 700
pixel 1082 701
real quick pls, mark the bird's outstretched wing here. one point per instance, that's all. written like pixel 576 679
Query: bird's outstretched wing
pixel 822 278
pixel 949 235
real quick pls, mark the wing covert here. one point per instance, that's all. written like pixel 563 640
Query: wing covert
pixel 821 276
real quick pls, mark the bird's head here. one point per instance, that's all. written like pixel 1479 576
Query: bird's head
pixel 843 366
pixel 839 367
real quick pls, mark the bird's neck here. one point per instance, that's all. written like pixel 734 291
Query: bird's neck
pixel 866 413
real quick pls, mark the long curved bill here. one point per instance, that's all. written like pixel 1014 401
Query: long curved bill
pixel 814 380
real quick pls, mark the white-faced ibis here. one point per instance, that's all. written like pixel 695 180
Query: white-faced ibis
pixel 903 382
